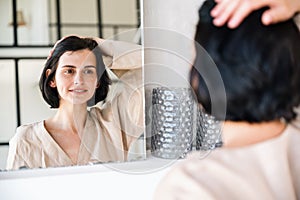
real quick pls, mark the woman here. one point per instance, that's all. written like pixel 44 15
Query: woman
pixel 73 78
pixel 260 69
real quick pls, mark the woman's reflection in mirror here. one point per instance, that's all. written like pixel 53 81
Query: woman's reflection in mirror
pixel 85 129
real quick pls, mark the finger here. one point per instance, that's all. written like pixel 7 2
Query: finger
pixel 244 9
pixel 219 7
pixel 267 18
pixel 225 13
pixel 99 40
pixel 50 54
pixel 240 14
pixel 275 15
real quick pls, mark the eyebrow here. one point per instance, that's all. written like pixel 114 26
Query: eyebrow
pixel 72 66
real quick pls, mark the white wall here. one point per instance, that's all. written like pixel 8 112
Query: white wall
pixel 169 28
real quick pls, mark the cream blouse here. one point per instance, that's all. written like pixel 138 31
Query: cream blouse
pixel 110 128
pixel 267 170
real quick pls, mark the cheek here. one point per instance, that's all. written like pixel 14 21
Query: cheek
pixel 62 83
pixel 92 81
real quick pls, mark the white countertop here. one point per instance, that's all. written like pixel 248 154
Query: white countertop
pixel 130 180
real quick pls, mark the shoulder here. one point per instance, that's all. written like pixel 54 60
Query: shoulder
pixel 27 139
pixel 105 111
pixel 291 134
pixel 27 131
pixel 245 168
pixel 97 111
pixel 297 20
pixel 207 177
pixel 196 181
pixel 292 141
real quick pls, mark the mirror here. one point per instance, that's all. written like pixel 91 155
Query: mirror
pixel 21 71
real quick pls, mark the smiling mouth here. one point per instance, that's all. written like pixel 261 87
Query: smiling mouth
pixel 78 91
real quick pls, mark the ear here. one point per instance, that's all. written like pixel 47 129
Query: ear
pixel 52 83
pixel 98 84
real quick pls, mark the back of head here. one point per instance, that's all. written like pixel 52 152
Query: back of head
pixel 259 65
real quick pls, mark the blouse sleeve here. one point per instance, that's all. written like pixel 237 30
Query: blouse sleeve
pixel 121 55
pixel 15 160
pixel 129 105
pixel 126 95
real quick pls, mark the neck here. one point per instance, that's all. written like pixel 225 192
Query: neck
pixel 71 118
pixel 237 134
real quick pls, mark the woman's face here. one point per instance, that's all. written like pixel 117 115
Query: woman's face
pixel 76 77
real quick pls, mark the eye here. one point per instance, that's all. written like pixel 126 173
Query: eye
pixel 89 71
pixel 69 71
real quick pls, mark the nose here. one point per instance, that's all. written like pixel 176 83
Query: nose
pixel 78 79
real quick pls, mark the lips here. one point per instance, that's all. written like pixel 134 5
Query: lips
pixel 78 90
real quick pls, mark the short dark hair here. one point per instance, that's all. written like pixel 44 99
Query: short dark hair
pixel 73 43
pixel 259 65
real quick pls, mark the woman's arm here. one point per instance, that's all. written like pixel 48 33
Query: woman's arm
pixel 126 95
pixel 120 55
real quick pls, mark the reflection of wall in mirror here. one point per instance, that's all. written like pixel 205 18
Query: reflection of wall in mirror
pixel 8 114
pixel 127 15
pixel 32 107
pixel 35 31
pixel 36 17
pixel 5 18
pixel 39 14
pixel 81 17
